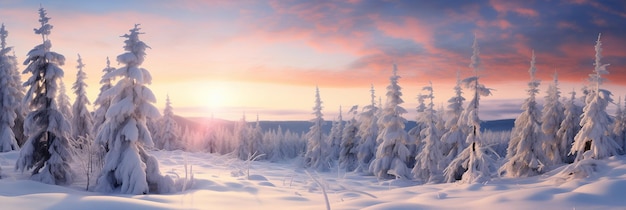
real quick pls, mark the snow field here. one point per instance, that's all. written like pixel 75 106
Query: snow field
pixel 222 182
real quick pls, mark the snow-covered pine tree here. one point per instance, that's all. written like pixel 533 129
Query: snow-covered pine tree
pixel 16 83
pixel 569 128
pixel 526 153
pixel 169 137
pixel 244 148
pixel 415 134
pixel 349 142
pixel 47 150
pixel 127 167
pixel 553 116
pixel 64 104
pixel 102 104
pixel 368 132
pixel 595 134
pixel 334 137
pixel 428 166
pixel 392 153
pixel 619 127
pixel 455 135
pixel 9 103
pixel 316 156
pixel 473 163
pixel 82 121
pixel 255 134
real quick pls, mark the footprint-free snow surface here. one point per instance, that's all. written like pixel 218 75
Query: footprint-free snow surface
pixel 225 183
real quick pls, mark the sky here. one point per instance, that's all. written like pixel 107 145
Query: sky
pixel 229 58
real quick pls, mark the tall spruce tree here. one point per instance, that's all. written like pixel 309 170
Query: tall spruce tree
pixel 349 142
pixel 473 163
pixel 595 135
pixel 169 132
pixel 82 121
pixel 569 128
pixel 525 154
pixel 454 137
pixel 127 167
pixel 9 102
pixel 47 150
pixel 316 156
pixel 368 131
pixel 553 116
pixel 428 163
pixel 334 137
pixel 102 104
pixel 392 153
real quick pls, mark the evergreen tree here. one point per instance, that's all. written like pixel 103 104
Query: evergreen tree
pixel 127 167
pixel 334 137
pixel 594 135
pixel 392 153
pixel 316 156
pixel 525 154
pixel 349 142
pixel 245 149
pixel 82 121
pixel 255 134
pixel 553 116
pixel 9 103
pixel 473 163
pixel 65 106
pixel 47 150
pixel 455 135
pixel 569 128
pixel 102 104
pixel 415 134
pixel 368 131
pixel 16 83
pixel 428 166
pixel 169 132
pixel 619 127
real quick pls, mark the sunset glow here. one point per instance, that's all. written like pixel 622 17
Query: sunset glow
pixel 227 58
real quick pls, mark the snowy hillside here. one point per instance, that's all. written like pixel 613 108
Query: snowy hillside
pixel 223 183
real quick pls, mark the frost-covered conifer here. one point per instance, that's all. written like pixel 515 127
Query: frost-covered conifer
pixel 82 121
pixel 595 134
pixel 455 134
pixel 415 134
pixel 619 127
pixel 334 137
pixel 569 128
pixel 392 153
pixel 349 142
pixel 368 132
pixel 428 166
pixel 169 131
pixel 102 104
pixel 255 135
pixel 525 154
pixel 127 167
pixel 473 163
pixel 553 116
pixel 244 147
pixel 316 156
pixel 65 106
pixel 9 103
pixel 47 150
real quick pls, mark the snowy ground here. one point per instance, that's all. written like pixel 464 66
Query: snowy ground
pixel 223 183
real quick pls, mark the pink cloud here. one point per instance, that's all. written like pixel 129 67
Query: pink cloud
pixel 503 7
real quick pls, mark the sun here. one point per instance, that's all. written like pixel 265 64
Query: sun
pixel 218 96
